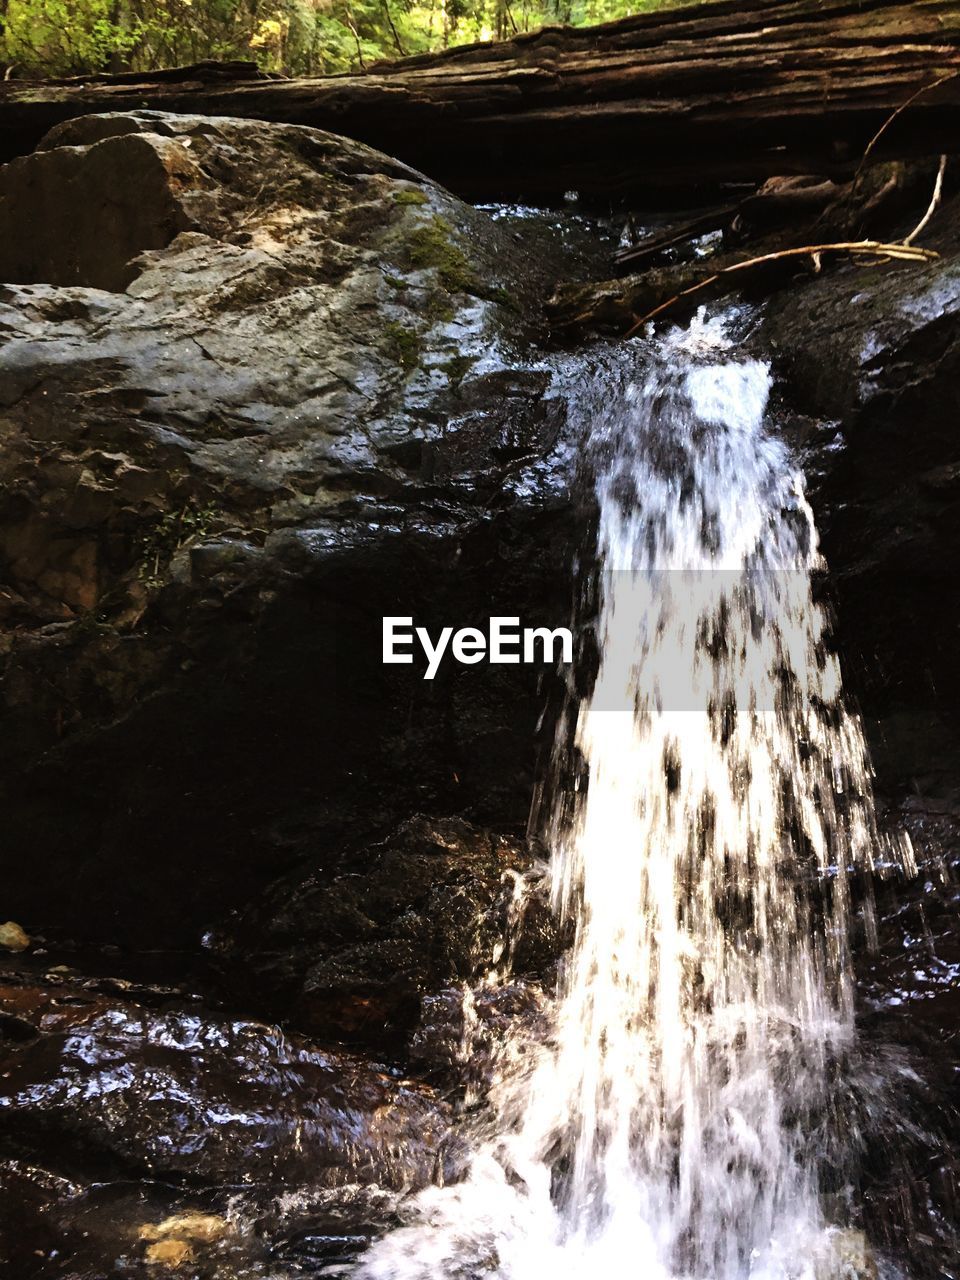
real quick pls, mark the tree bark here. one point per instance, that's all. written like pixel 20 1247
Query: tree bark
pixel 721 92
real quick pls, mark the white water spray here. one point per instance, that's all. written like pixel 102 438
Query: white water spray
pixel 663 1131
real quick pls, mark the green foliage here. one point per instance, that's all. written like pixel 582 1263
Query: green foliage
pixel 172 531
pixel 431 246
pixel 64 37
pixel 297 37
pixel 457 368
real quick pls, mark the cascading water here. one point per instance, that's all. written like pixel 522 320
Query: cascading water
pixel 664 1127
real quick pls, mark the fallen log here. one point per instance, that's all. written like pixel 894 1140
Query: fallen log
pixel 721 92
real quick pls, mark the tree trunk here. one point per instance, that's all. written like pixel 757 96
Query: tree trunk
pixel 722 92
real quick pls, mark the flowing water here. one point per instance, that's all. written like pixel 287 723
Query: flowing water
pixel 666 1126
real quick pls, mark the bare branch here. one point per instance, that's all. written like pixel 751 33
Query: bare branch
pixel 927 88
pixel 871 248
pixel 932 208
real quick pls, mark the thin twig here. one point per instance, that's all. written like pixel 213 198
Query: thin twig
pixel 927 88
pixel 874 248
pixel 396 34
pixel 932 208
pixel 356 36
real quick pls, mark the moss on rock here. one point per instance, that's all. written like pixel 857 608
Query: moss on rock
pixel 432 247
pixel 404 345
pixel 409 195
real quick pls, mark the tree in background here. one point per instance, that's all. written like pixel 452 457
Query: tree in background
pixel 296 37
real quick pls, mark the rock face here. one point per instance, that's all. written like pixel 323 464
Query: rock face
pixel 901 1107
pixel 177 1092
pixel 868 365
pixel 288 391
pixel 258 387
pixel 93 207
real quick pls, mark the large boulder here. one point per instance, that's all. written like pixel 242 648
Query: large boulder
pixel 288 389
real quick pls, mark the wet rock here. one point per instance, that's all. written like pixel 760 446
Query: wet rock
pixel 896 1110
pixel 896 1122
pixel 91 1230
pixel 350 951
pixel 169 1253
pixel 93 206
pixel 290 408
pixel 875 426
pixel 178 1240
pixel 205 1227
pixel 13 937
pixel 110 1087
pixel 465 1034
pixel 914 972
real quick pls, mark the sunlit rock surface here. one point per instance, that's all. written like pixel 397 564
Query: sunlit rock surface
pixel 110 1103
pixel 177 1091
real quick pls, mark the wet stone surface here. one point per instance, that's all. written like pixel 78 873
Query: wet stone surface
pixel 877 428
pixel 295 406
pixel 350 951
pixel 135 1134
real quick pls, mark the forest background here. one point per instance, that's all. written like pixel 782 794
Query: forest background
pixel 41 38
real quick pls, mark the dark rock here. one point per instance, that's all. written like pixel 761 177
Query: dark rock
pixel 92 208
pixel 897 1123
pixel 136 1127
pixel 900 1112
pixel 110 1087
pixel 350 951
pixel 913 975
pixel 465 1033
pixel 86 1230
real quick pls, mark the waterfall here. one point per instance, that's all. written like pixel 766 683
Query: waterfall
pixel 708 864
